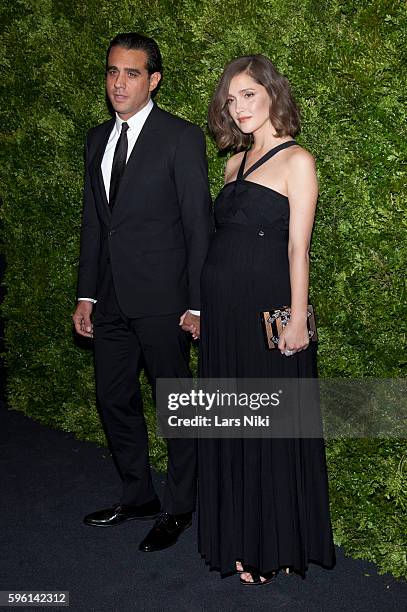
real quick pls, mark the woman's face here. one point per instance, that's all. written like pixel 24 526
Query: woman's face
pixel 248 103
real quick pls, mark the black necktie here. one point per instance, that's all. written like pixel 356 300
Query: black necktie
pixel 119 164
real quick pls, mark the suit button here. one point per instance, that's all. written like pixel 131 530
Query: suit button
pixel 261 233
pixel 112 232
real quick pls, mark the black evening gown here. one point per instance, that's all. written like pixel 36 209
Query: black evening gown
pixel 264 501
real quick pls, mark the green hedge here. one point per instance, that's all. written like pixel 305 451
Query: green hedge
pixel 345 62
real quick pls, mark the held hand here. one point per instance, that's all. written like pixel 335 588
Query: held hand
pixel 191 323
pixel 294 338
pixel 81 319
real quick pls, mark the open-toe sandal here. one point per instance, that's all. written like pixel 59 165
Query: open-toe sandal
pixel 254 572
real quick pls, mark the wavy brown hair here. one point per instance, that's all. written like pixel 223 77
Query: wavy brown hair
pixel 284 113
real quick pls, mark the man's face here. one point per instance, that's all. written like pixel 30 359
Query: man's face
pixel 128 84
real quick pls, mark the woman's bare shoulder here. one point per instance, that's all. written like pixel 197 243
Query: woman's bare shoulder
pixel 300 159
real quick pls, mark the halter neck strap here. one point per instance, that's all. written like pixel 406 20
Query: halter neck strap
pixel 242 165
pixel 242 174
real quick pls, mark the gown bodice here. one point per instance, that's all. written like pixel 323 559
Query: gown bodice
pixel 245 203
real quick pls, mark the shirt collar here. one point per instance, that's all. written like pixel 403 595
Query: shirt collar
pixel 137 119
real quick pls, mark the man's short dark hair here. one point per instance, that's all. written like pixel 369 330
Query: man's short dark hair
pixel 132 40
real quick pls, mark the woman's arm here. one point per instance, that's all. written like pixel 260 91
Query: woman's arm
pixel 302 192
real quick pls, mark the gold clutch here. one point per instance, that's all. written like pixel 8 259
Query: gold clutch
pixel 275 320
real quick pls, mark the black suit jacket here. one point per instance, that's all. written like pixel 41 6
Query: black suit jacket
pixel 157 235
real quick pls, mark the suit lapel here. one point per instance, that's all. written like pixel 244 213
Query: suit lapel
pixel 140 150
pixel 97 165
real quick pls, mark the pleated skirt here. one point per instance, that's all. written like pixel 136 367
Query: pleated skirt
pixel 264 501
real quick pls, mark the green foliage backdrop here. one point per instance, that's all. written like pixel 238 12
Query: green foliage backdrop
pixel 345 60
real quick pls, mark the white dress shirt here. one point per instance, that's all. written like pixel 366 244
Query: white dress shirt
pixel 135 123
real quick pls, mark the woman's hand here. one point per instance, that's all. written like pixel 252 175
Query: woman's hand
pixel 293 338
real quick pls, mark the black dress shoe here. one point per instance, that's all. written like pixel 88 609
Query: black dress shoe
pixel 166 531
pixel 109 517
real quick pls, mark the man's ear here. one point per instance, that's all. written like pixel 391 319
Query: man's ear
pixel 155 78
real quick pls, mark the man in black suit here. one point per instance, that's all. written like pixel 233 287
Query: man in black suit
pixel 145 232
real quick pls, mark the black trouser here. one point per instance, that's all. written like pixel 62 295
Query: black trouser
pixel 120 343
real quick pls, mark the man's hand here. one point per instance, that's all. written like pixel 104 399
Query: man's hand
pixel 191 323
pixel 81 319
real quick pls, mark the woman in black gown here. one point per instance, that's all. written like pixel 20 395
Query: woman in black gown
pixel 263 503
